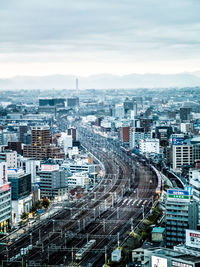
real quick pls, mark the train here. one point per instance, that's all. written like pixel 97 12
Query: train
pixel 81 252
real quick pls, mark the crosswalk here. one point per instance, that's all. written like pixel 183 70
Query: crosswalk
pixel 132 202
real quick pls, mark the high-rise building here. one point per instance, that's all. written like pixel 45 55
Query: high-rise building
pixel 20 182
pixel 181 213
pixel 185 113
pixel 182 155
pixel 22 130
pixel 21 193
pixel 41 147
pixel 125 134
pixel 53 181
pixel 5 199
pixel 40 136
pixel 73 132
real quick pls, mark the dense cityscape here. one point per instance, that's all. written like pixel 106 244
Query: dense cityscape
pixel 100 178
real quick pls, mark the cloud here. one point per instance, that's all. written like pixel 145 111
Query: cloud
pixel 101 30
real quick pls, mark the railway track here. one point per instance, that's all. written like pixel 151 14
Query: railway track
pixel 50 241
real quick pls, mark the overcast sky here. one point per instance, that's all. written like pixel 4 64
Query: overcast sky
pixel 84 37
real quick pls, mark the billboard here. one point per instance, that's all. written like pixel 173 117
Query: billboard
pixel 178 195
pixel 180 264
pixel 177 141
pixel 189 189
pixel 158 262
pixel 49 167
pixel 192 238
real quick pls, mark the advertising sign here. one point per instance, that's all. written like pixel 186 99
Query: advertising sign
pixel 5 187
pixel 48 167
pixel 180 264
pixel 189 189
pixel 193 238
pixel 177 141
pixel 158 262
pixel 175 194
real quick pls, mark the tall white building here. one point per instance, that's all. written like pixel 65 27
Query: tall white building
pixel 65 141
pixel 149 146
pixel 119 111
pixel 181 155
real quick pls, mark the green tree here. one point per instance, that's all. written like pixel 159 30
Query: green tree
pixel 24 216
pixel 45 202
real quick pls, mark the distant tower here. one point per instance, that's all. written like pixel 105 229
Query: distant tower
pixel 76 84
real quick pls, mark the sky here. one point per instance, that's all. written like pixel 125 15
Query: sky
pixel 87 37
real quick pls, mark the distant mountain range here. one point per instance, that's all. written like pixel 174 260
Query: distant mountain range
pixel 102 81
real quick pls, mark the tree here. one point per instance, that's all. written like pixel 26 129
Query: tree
pixel 24 216
pixel 45 202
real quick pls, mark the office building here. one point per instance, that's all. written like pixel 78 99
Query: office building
pixel 72 102
pixel 73 133
pixel 41 147
pixel 149 146
pixel 53 181
pixel 191 245
pixel 20 182
pixel 23 129
pixel 181 213
pixel 137 134
pixel 165 257
pixel 182 155
pixel 15 146
pixel 21 193
pixel 187 127
pixel 125 134
pixel 10 157
pixel 163 134
pixel 52 102
pixel 5 199
pixel 185 114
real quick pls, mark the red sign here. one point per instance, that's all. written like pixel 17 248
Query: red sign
pixel 5 187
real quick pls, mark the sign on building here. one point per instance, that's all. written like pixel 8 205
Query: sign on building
pixel 158 262
pixel 192 238
pixel 178 195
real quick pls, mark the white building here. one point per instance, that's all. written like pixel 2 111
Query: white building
pixel 187 127
pixel 74 152
pixel 19 207
pixel 9 137
pixel 149 146
pixel 78 179
pixel 30 166
pixel 181 155
pixel 136 136
pixel 65 141
pixel 119 111
pixel 80 166
pixel 10 157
